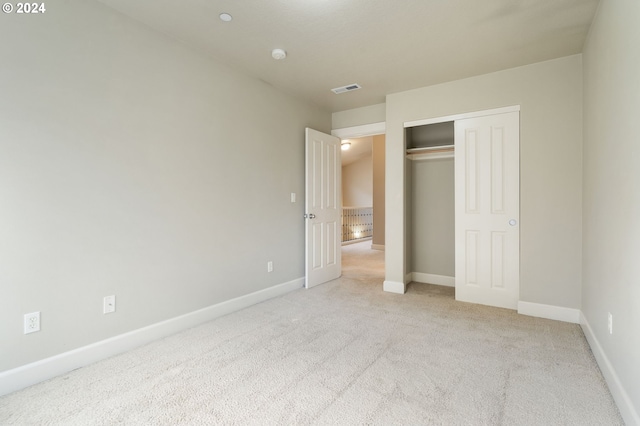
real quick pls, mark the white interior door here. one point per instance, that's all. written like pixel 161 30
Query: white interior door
pixel 487 207
pixel 323 205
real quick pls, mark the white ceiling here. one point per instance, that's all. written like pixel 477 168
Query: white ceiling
pixel 385 46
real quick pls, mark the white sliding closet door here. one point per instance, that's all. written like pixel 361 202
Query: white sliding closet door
pixel 487 206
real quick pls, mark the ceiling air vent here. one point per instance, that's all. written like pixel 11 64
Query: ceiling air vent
pixel 347 88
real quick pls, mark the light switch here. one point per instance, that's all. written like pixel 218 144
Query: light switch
pixel 293 197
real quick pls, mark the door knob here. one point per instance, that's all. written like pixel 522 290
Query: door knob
pixel 312 216
pixel 513 222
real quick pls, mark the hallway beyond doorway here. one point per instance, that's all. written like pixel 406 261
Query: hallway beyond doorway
pixel 360 262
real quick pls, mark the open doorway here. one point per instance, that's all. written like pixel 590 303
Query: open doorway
pixel 357 190
pixel 323 201
pixel 363 169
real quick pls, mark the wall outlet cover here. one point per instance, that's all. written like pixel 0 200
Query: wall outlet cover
pixel 31 322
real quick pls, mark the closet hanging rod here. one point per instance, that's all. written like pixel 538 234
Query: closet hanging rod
pixel 430 149
pixel 430 153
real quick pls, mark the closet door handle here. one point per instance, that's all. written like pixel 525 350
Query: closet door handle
pixel 513 222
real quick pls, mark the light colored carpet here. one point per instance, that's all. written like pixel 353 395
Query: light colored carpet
pixel 341 353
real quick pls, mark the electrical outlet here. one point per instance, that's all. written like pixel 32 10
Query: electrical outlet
pixel 269 266
pixel 610 323
pixel 31 322
pixel 109 305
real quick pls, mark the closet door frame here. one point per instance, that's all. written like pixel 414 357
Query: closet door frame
pixel 435 120
pixel 458 117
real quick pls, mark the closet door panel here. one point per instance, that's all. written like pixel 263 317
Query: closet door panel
pixel 487 159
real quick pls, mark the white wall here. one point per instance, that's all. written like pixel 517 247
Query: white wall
pixel 550 95
pixel 358 116
pixel 611 267
pixel 357 183
pixel 134 166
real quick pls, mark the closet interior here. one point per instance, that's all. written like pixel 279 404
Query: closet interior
pixel 431 203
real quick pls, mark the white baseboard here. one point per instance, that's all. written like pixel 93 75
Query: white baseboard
pixel 433 279
pixel 557 313
pixel 394 287
pixel 621 397
pixel 35 372
pixel 377 247
pixel 359 240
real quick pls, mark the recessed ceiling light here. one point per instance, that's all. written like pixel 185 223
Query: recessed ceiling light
pixel 345 146
pixel 278 54
pixel 226 17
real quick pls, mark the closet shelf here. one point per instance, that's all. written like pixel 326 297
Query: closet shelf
pixel 430 153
